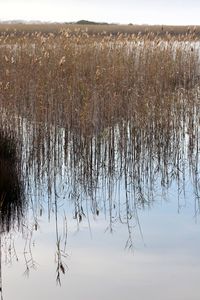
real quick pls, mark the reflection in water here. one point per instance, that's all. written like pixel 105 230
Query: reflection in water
pixel 114 170
pixel 12 199
pixel 148 150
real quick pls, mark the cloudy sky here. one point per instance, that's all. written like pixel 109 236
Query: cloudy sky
pixel 118 11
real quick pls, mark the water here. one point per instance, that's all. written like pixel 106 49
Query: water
pixel 165 264
pixel 116 236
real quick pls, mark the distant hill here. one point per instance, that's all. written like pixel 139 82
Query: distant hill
pixel 86 22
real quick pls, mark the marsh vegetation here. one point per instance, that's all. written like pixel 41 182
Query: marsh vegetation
pixel 102 122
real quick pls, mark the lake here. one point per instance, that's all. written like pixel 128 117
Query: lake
pixel 106 228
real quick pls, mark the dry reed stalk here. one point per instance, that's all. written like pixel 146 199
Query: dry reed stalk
pixel 98 108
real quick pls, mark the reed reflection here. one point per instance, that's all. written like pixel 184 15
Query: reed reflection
pixel 12 198
pixel 112 170
pixel 111 166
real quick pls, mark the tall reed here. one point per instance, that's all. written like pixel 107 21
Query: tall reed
pixel 92 109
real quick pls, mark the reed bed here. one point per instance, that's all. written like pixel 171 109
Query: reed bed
pixel 20 29
pixel 93 82
pixel 92 111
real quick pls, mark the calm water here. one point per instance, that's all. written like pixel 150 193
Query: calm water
pixel 165 264
pixel 114 237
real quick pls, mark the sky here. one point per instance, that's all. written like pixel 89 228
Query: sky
pixel 172 12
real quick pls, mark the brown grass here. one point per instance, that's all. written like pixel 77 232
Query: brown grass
pixel 57 28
